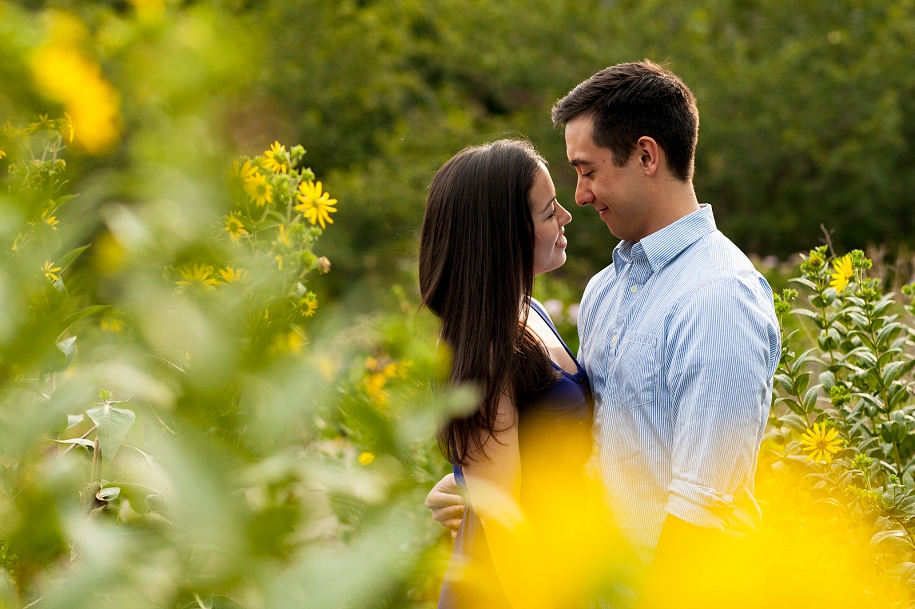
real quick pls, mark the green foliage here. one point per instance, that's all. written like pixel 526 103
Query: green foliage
pixel 856 423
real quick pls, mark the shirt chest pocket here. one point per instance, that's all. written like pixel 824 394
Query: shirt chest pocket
pixel 637 370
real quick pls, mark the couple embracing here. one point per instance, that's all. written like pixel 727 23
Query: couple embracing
pixel 662 412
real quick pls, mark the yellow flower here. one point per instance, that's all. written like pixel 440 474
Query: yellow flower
pixel 235 228
pixel 65 126
pixel 257 188
pixel 282 235
pixel 288 342
pixel 41 122
pixel 244 171
pixel 231 275
pixel 315 206
pixel 844 272
pixel 309 304
pixel 823 444
pixel 279 262
pixel 366 458
pixel 50 221
pixel 111 324
pixel 50 271
pixel 199 277
pixel 276 159
pixel 66 74
pixel 374 386
pixel 2 154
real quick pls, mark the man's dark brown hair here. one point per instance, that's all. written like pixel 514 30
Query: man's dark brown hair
pixel 631 100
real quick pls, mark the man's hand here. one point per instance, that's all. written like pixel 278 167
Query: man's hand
pixel 446 503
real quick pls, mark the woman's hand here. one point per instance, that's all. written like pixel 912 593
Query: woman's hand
pixel 447 504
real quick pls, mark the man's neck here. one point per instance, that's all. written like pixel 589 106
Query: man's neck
pixel 671 201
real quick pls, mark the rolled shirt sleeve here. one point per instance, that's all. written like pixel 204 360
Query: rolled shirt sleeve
pixel 722 349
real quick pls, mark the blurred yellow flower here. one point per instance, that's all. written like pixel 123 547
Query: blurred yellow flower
pixel 314 205
pixel 282 235
pixel 41 122
pixel 374 386
pixel 309 304
pixel 288 342
pixel 2 154
pixel 279 262
pixel 844 272
pixel 235 228
pixel 822 443
pixel 110 324
pixel 50 221
pixel 230 275
pixel 244 171
pixel 65 74
pixel 257 188
pixel 197 277
pixel 50 271
pixel 65 126
pixel 366 458
pixel 276 159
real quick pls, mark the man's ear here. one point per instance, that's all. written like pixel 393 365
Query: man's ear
pixel 649 155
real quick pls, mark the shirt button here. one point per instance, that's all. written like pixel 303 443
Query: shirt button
pixel 614 339
pixel 634 289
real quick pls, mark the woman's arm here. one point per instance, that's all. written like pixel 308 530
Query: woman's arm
pixel 446 503
pixel 493 483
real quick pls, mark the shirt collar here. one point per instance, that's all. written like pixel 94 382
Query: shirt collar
pixel 664 245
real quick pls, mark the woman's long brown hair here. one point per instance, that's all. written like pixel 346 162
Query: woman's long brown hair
pixel 476 269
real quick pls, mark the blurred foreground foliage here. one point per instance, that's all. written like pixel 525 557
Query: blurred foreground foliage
pixel 177 429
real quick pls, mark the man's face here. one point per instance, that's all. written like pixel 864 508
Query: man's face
pixel 617 193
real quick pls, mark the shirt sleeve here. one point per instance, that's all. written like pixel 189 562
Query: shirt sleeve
pixel 722 350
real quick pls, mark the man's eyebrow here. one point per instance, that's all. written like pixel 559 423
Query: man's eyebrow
pixel 577 162
pixel 548 204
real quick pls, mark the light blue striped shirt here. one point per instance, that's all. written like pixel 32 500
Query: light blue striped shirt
pixel 680 339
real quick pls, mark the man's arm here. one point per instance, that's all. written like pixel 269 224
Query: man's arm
pixel 447 503
pixel 722 350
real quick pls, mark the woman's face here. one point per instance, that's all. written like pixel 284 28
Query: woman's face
pixel 550 219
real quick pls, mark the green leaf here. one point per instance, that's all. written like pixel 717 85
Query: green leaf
pixel 805 313
pixel 72 319
pixel 892 372
pixel 805 282
pixel 113 424
pixel 800 383
pixel 785 382
pixel 108 493
pixel 810 398
pixel 63 357
pixel 795 422
pixel 896 538
pixel 64 261
pixel 74 419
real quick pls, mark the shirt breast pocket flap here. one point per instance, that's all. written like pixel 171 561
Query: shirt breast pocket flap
pixel 638 369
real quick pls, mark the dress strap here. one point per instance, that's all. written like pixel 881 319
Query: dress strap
pixel 543 315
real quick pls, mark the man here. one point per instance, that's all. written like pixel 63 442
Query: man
pixel 678 335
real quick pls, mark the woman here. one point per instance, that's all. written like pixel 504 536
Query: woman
pixel 492 222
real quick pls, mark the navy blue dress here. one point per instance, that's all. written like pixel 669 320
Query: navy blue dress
pixel 554 435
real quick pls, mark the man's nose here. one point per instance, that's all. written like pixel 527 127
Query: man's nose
pixel 583 195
